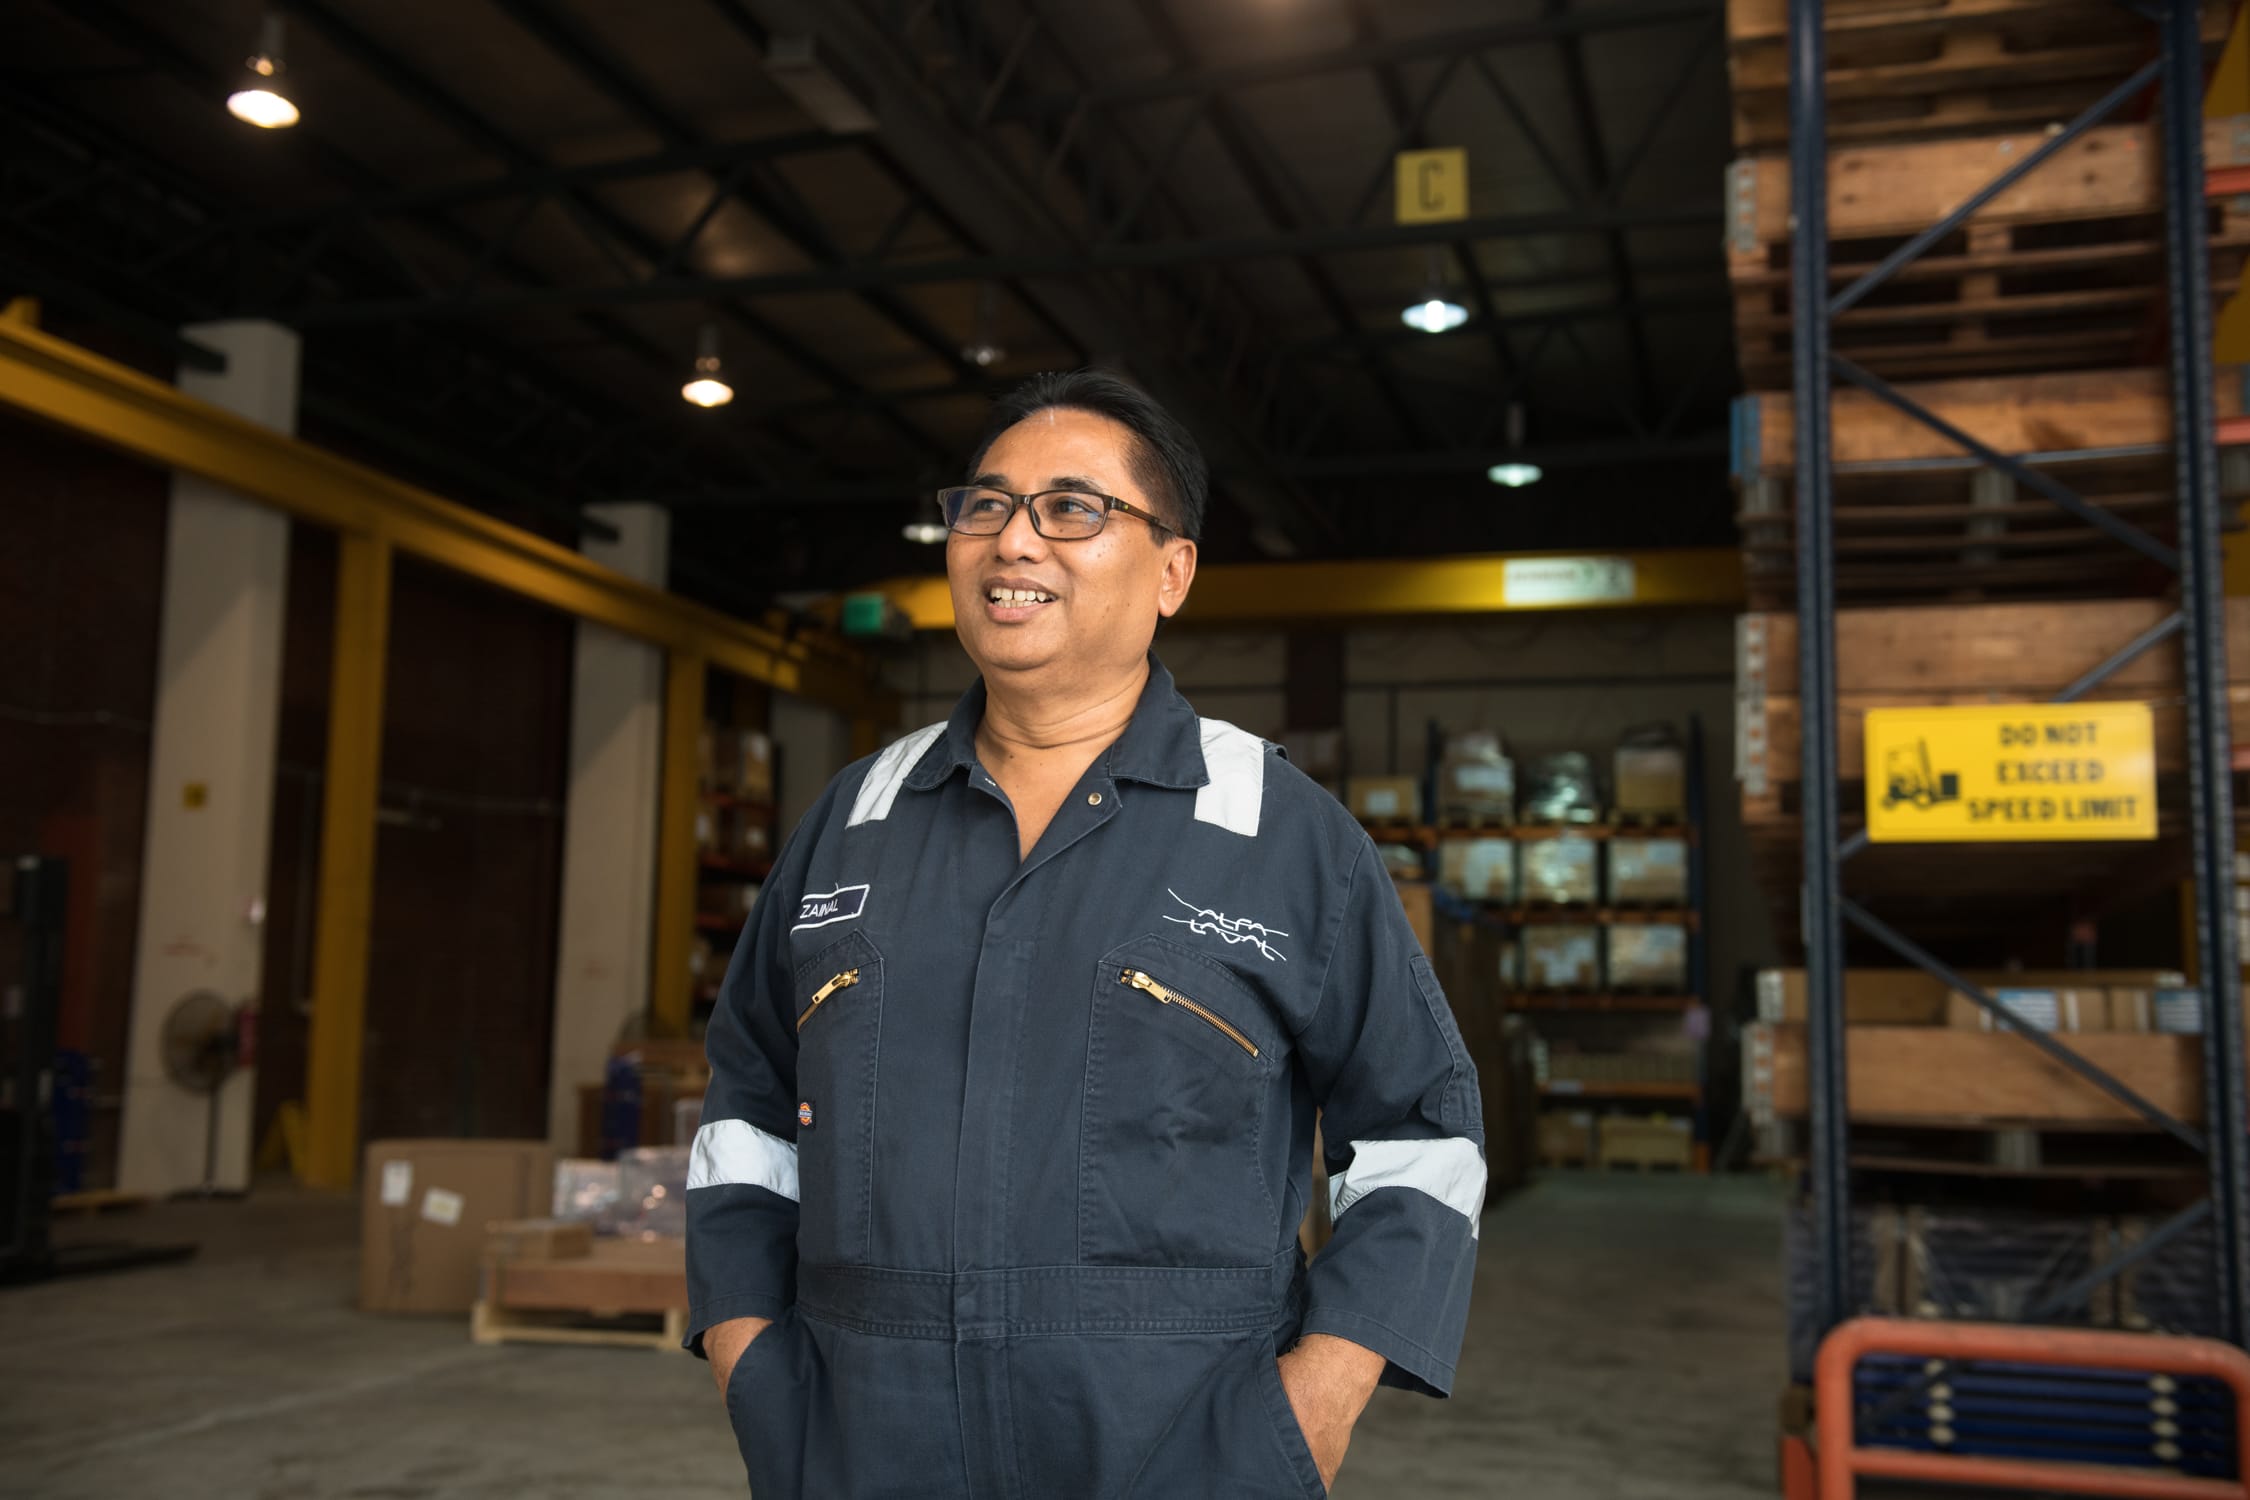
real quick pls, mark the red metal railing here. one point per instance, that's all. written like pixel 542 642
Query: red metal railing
pixel 1842 1463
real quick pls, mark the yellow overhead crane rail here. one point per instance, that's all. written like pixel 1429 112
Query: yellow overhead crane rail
pixel 1344 592
pixel 376 517
pixel 121 408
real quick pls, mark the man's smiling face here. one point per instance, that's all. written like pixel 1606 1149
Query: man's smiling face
pixel 1025 603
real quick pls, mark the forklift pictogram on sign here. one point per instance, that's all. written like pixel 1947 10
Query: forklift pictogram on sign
pixel 1909 779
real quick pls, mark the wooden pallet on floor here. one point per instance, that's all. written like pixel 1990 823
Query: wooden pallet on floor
pixel 625 1294
pixel 2063 271
pixel 1912 69
pixel 97 1201
pixel 506 1325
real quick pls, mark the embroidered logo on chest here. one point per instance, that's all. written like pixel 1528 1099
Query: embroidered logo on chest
pixel 839 905
pixel 1231 930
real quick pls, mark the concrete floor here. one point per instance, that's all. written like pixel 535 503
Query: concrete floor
pixel 1626 1341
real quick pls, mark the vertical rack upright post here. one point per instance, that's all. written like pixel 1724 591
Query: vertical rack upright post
pixel 1829 1143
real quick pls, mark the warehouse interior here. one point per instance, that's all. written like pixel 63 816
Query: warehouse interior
pixel 469 479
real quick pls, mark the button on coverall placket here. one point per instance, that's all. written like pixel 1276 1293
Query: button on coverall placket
pixel 1013 1151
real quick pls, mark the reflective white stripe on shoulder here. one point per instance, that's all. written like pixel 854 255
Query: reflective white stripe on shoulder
pixel 888 774
pixel 1235 760
pixel 1449 1170
pixel 738 1153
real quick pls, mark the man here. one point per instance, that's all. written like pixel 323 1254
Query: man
pixel 1015 1070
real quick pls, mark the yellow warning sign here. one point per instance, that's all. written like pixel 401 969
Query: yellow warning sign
pixel 2059 771
pixel 1433 186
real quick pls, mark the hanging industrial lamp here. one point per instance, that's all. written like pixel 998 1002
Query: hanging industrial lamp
pixel 707 386
pixel 981 350
pixel 1436 312
pixel 1516 472
pixel 260 101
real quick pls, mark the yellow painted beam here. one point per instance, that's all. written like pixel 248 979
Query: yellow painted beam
pixel 1277 593
pixel 671 987
pixel 2229 93
pixel 78 390
pixel 347 860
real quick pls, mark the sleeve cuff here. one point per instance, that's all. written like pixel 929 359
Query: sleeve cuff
pixel 707 1314
pixel 1409 1366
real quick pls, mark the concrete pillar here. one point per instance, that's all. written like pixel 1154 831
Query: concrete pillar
pixel 211 776
pixel 609 829
pixel 811 744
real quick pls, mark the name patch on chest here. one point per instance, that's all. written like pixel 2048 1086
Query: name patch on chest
pixel 840 905
pixel 826 907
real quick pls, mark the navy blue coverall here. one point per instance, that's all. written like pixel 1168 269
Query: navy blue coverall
pixel 1014 1150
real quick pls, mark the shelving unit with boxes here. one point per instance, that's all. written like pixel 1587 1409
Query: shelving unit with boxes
pixel 736 836
pixel 1588 915
pixel 1999 236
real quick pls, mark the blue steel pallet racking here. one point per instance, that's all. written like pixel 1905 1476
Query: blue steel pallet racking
pixel 2198 622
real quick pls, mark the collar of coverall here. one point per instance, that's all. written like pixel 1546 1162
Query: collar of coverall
pixel 1161 746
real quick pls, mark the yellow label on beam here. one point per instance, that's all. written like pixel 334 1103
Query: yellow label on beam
pixel 1433 186
pixel 2067 772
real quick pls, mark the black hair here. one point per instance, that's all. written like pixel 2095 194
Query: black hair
pixel 1165 461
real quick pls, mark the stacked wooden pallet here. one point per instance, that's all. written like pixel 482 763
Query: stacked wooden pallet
pixel 1929 101
pixel 1922 68
pixel 1973 653
pixel 1915 522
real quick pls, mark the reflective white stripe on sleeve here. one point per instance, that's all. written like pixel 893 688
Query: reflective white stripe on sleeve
pixel 738 1152
pixel 1449 1170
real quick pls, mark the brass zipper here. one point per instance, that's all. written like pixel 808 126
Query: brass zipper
pixel 843 981
pixel 1141 981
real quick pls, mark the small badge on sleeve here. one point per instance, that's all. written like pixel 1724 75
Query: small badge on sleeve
pixel 804 1115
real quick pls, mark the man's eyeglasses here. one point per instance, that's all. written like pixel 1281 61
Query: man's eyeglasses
pixel 1057 515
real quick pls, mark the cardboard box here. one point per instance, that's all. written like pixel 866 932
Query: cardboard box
pixel 2045 1009
pixel 1648 872
pixel 539 1239
pixel 2040 979
pixel 424 1208
pixel 2131 1010
pixel 1872 997
pixel 1563 870
pixel 1385 799
pixel 1414 895
pixel 1570 1071
pixel 1648 957
pixel 1561 956
pixel 1644 1141
pixel 1651 780
pixel 1480 869
pixel 1566 1137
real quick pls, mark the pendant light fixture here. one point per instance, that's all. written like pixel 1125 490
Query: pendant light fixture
pixel 260 100
pixel 981 350
pixel 1515 473
pixel 1436 312
pixel 707 386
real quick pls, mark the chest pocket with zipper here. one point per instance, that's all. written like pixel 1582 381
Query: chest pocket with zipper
pixel 1181 1069
pixel 839 1003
